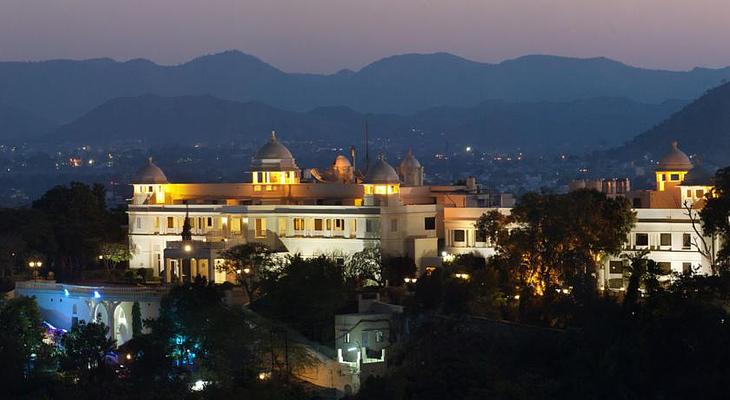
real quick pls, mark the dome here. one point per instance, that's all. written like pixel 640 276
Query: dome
pixel 698 176
pixel 273 149
pixel 149 174
pixel 381 172
pixel 341 162
pixel 675 160
pixel 273 156
pixel 409 162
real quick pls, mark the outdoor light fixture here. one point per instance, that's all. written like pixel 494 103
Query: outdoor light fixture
pixel 65 292
pixel 247 270
pixel 96 294
pixel 188 248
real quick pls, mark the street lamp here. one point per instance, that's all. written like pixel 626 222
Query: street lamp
pixel 34 266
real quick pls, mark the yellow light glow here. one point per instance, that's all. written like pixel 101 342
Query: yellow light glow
pixel 188 248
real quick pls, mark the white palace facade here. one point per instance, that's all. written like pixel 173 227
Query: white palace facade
pixel 342 210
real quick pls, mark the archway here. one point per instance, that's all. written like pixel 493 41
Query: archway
pixel 101 314
pixel 122 323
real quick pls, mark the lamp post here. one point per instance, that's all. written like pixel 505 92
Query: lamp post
pixel 34 265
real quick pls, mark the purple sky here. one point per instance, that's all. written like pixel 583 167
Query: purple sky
pixel 327 35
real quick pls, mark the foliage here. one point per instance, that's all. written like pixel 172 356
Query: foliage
pixel 715 213
pixel 554 241
pixel 308 295
pixel 79 221
pixel 21 340
pixel 84 347
pixel 396 269
pixel 136 320
pixel 366 267
pixel 113 254
pixel 253 266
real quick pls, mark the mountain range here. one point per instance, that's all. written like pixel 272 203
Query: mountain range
pixel 495 124
pixel 702 128
pixel 63 90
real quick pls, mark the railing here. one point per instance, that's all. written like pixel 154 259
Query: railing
pixel 122 291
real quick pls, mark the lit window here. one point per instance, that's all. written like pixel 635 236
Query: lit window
pixel 339 224
pixel 298 224
pixel 665 268
pixel 699 193
pixel 616 267
pixel 317 224
pixel 257 188
pixel 260 228
pixel 170 223
pixel 329 224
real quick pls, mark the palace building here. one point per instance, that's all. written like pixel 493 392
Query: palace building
pixel 342 210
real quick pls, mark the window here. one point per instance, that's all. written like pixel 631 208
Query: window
pixel 642 239
pixel 298 224
pixel 138 223
pixel 674 177
pixel 637 202
pixel 686 241
pixel 689 192
pixel 157 223
pixel 339 224
pixel 353 227
pixel 260 228
pixel 699 193
pixel 170 223
pixel 209 222
pixel 365 338
pixel 665 268
pixel 328 224
pixel 379 336
pixel 347 337
pixel 318 224
pixel 481 236
pixel 429 223
pixel 459 235
pixel 150 189
pixel 394 225
pixel 686 268
pixel 616 267
pixel 369 225
pixel 282 226
pixel 665 239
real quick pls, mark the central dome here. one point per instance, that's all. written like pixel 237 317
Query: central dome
pixel 273 149
pixel 273 156
pixel 675 160
pixel 381 173
pixel 149 174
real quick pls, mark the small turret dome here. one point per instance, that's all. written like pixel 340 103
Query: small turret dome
pixel 149 174
pixel 342 162
pixel 409 162
pixel 273 156
pixel 675 160
pixel 381 173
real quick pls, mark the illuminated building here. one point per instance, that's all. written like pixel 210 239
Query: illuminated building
pixel 343 210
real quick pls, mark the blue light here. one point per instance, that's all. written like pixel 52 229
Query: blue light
pixel 96 294
pixel 65 292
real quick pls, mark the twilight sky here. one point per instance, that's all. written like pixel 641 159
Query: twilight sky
pixel 328 35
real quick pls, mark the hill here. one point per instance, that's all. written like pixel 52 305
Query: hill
pixel 63 90
pixel 574 125
pixel 702 127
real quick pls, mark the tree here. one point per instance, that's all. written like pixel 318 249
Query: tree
pixel 308 295
pixel 714 215
pixel 136 320
pixel 396 269
pixel 84 347
pixel 21 340
pixel 555 241
pixel 253 266
pixel 80 222
pixel 113 254
pixel 366 266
